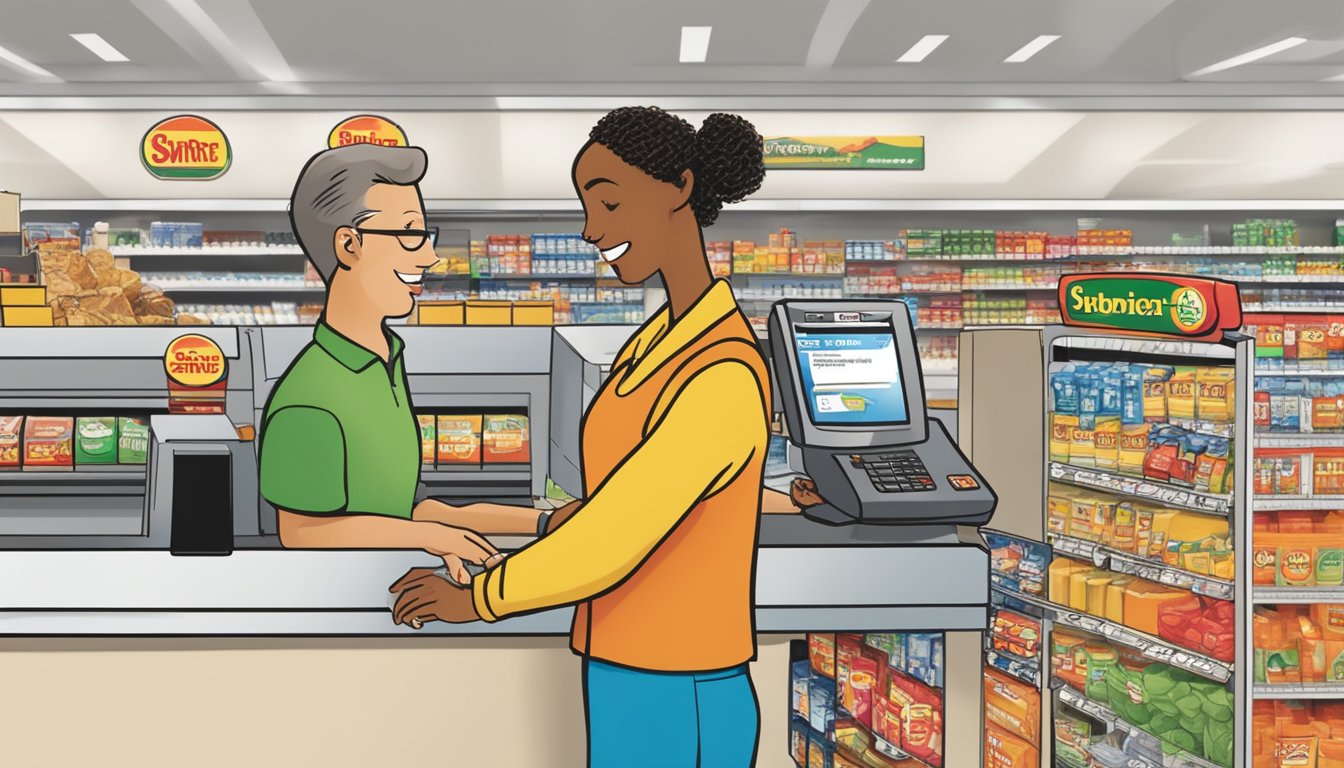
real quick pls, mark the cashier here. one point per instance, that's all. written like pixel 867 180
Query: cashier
pixel 340 445
pixel 660 557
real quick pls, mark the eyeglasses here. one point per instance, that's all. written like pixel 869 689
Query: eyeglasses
pixel 410 239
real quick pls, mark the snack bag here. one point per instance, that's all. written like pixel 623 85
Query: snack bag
pixel 821 654
pixel 1064 389
pixel 132 440
pixel 11 441
pixel 506 439
pixel 1155 392
pixel 1059 511
pixel 1131 400
pixel 96 440
pixel 1082 446
pixel 1216 400
pixel 1061 436
pixel 1182 390
pixel 1126 517
pixel 1133 449
pixel 1296 561
pixel 1207 465
pixel 1106 443
pixel 1162 454
pixel 1313 345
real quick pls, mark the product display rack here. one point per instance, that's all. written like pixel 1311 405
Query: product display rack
pixel 1296 364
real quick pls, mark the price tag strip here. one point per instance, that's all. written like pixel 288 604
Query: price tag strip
pixel 1150 647
pixel 1133 565
pixel 1300 691
pixel 1147 490
pixel 1298 594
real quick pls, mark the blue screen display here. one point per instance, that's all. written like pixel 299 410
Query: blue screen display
pixel 851 377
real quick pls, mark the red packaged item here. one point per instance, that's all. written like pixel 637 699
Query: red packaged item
pixel 922 718
pixel 821 653
pixel 1158 463
pixel 48 443
pixel 1201 624
pixel 1262 420
pixel 11 441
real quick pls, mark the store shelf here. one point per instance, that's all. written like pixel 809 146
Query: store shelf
pixel 1017 667
pixel 1265 595
pixel 1133 565
pixel 1300 502
pixel 1282 279
pixel 1299 440
pixel 209 250
pixel 1210 250
pixel 1299 691
pixel 241 288
pixel 1289 308
pixel 1333 373
pixel 1146 490
pixel 536 276
pixel 128 474
pixel 1151 647
pixel 805 275
pixel 1099 711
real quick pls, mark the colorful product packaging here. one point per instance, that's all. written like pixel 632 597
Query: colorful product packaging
pixel 1182 393
pixel 48 443
pixel 428 438
pixel 1155 380
pixel 459 439
pixel 506 439
pixel 11 441
pixel 1106 443
pixel 132 440
pixel 821 654
pixel 96 440
pixel 1133 449
pixel 1216 400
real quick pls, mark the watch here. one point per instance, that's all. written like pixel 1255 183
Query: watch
pixel 543 520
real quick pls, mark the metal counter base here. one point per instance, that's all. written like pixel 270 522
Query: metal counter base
pixel 808 577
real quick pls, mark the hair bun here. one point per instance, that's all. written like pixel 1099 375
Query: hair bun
pixel 731 166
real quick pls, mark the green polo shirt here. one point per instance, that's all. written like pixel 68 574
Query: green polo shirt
pixel 339 436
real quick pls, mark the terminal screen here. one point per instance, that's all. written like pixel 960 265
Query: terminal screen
pixel 851 376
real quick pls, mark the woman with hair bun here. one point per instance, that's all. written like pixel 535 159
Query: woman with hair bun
pixel 660 557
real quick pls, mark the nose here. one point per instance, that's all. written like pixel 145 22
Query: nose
pixel 590 238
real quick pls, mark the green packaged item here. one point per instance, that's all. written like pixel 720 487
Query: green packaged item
pixel 96 440
pixel 132 440
pixel 1100 660
pixel 1329 564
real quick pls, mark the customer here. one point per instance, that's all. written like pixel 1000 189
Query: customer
pixel 340 445
pixel 660 557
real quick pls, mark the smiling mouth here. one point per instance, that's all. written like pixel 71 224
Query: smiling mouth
pixel 410 279
pixel 612 254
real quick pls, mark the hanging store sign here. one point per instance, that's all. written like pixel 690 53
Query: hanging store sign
pixel 197 375
pixel 367 129
pixel 1166 305
pixel 889 153
pixel 186 147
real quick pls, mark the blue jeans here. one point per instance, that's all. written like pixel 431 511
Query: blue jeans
pixel 639 719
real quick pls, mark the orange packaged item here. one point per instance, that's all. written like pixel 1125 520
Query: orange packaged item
pixel 1004 750
pixel 1182 393
pixel 1144 600
pixel 821 654
pixel 48 443
pixel 1011 705
pixel 1327 476
pixel 1330 618
pixel 1313 337
pixel 1265 558
pixel 1061 573
pixel 428 438
pixel 459 439
pixel 11 441
pixel 1296 561
pixel 1296 752
pixel 506 439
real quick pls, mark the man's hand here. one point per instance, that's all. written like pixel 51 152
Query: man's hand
pixel 455 545
pixel 425 596
pixel 803 492
pixel 559 516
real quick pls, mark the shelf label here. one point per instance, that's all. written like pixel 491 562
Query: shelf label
pixel 886 153
pixel 186 147
pixel 1142 489
pixel 367 129
pixel 1164 305
pixel 1155 650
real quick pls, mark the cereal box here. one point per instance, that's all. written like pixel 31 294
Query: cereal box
pixel 506 439
pixel 459 439
pixel 1182 390
pixel 132 440
pixel 96 440
pixel 1216 399
pixel 48 444
pixel 11 441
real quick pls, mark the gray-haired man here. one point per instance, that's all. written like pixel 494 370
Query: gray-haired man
pixel 340 444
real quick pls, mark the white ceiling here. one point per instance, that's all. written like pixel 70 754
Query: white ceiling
pixel 292 48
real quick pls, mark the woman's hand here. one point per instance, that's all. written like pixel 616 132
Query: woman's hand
pixel 456 545
pixel 804 493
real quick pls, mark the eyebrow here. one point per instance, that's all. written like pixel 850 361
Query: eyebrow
pixel 597 181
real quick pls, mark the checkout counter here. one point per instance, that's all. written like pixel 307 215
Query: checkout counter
pixel 89 552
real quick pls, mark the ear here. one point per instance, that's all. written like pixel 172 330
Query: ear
pixel 347 246
pixel 682 198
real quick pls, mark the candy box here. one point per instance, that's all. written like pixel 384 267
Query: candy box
pixel 48 443
pixel 11 441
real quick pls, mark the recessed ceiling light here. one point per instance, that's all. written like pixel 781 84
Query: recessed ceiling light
pixel 923 48
pixel 1248 57
pixel 1031 49
pixel 694 44
pixel 18 62
pixel 103 49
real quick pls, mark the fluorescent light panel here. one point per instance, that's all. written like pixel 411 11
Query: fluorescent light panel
pixel 100 47
pixel 1250 56
pixel 919 51
pixel 694 44
pixel 1031 49
pixel 19 62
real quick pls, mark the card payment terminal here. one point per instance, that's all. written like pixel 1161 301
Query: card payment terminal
pixel 852 392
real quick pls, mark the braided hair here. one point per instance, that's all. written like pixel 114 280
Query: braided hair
pixel 725 155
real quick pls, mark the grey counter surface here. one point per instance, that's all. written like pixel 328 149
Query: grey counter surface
pixel 808 577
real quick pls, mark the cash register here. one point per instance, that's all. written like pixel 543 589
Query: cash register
pixel 852 392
